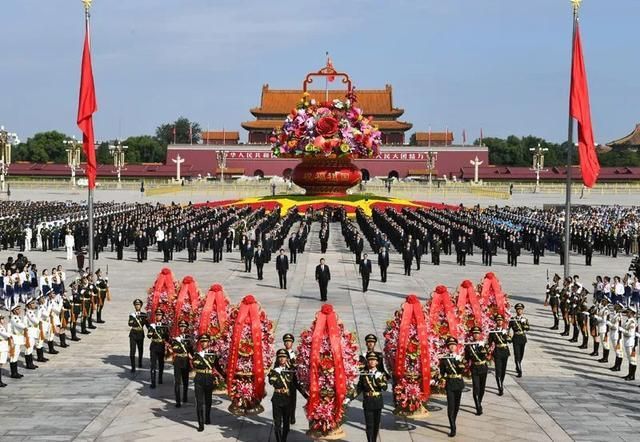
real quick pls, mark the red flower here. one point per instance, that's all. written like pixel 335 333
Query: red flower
pixel 249 299
pixel 326 363
pixel 412 347
pixel 326 309
pixel 216 288
pixel 165 271
pixel 327 126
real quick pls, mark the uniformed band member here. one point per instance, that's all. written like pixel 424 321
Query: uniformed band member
pixel 372 383
pixel 158 332
pixel 371 341
pixel 519 326
pixel 451 370
pixel 102 286
pixel 629 341
pixel 19 338
pixel 476 354
pixel 602 316
pixel 288 341
pixel 137 322
pixel 207 369
pixel 283 379
pixel 615 322
pixel 182 348
pixel 499 339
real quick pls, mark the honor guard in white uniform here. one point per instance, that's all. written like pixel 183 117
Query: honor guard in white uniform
pixel 4 347
pixel 601 316
pixel 19 334
pixel 614 322
pixel 46 321
pixel 32 323
pixel 628 332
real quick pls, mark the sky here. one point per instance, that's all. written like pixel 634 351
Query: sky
pixel 499 65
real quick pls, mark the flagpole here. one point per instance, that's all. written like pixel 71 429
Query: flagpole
pixel 567 209
pixel 87 15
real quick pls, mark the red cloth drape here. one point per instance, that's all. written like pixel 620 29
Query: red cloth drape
pixel 491 284
pixel 188 293
pixel 215 299
pixel 467 294
pixel 87 106
pixel 441 301
pixel 249 310
pixel 164 283
pixel 327 321
pixel 580 109
pixel 412 313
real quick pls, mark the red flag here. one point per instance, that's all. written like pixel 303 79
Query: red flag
pixel 87 106
pixel 481 137
pixel 191 133
pixel 464 136
pixel 174 134
pixel 330 68
pixel 581 110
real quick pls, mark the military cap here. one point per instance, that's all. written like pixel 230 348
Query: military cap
pixel 183 323
pixel 15 307
pixel 604 300
pixel 451 340
pixel 282 353
pixel 370 338
pixel 204 338
pixel 519 306
pixel 97 272
pixel 30 301
pixel 137 302
pixel 288 337
pixel 498 317
pixel 159 312
pixel 372 355
pixel 476 329
pixel 631 309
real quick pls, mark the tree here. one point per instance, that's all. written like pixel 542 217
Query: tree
pixel 145 149
pixel 43 147
pixel 164 133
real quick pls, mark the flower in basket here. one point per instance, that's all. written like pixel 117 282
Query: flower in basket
pixel 408 352
pixel 327 369
pixel 334 128
pixel 249 339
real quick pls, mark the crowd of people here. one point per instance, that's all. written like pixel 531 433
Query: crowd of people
pixel 41 309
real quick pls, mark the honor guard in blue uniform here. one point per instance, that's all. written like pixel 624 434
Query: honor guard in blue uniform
pixel 476 354
pixel 519 326
pixel 451 370
pixel 158 332
pixel 371 384
pixel 182 348
pixel 499 339
pixel 137 323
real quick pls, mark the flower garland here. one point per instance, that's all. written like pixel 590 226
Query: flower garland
pixel 494 300
pixel 162 295
pixel 327 369
pixel 250 344
pixel 186 305
pixel 408 350
pixel 329 128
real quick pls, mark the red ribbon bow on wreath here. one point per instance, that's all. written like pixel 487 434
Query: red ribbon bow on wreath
pixel 491 284
pixel 412 312
pixel 188 290
pixel 217 300
pixel 248 310
pixel 164 282
pixel 441 301
pixel 467 293
pixel 326 319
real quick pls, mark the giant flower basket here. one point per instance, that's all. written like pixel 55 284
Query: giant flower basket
pixel 444 322
pixel 250 341
pixel 326 135
pixel 214 312
pixel 408 349
pixel 327 372
pixel 494 300
pixel 186 305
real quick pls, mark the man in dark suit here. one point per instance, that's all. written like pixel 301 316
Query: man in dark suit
pixel 167 247
pixel 282 266
pixel 323 276
pixel 119 244
pixel 358 248
pixel 248 256
pixel 365 272
pixel 260 258
pixel 407 258
pixel 383 263
pixel 192 248
pixel 293 248
pixel 139 243
pixel 487 250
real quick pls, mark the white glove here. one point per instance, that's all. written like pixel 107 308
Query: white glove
pixel 278 370
pixel 179 339
pixel 153 326
pixel 523 320
pixel 201 353
pixel 346 401
pixel 378 375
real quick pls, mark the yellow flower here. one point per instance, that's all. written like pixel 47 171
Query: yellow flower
pixel 345 148
pixel 309 147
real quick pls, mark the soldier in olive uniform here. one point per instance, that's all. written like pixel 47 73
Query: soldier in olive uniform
pixel 207 370
pixel 102 285
pixel 158 332
pixel 182 348
pixel 288 341
pixel 371 340
pixel 519 325
pixel 476 355
pixel 373 381
pixel 499 339
pixel 283 380
pixel 137 322
pixel 451 370
pixel 75 311
pixel 86 299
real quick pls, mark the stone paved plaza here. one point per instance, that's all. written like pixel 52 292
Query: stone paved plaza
pixel 87 393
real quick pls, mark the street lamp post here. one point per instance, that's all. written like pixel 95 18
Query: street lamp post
pixel 117 151
pixel 73 156
pixel 5 155
pixel 431 158
pixel 221 156
pixel 538 163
